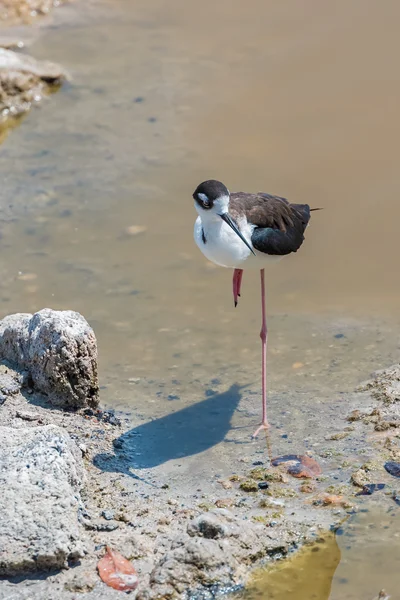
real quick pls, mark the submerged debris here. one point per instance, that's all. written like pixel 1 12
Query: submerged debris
pixel 300 466
pixel 393 468
pixel 370 488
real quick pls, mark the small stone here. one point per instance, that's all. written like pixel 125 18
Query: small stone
pixel 297 365
pixel 355 415
pixel 135 229
pixel 338 436
pixel 27 416
pixel 209 526
pixel 370 488
pixel 107 526
pixel 225 484
pixel 263 485
pixel 108 514
pixel 249 486
pixel 27 276
pixel 307 487
pixel 382 426
pixel 393 468
pixel 360 478
pixel 223 503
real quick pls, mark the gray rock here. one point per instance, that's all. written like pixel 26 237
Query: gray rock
pixel 40 478
pixel 58 350
pixel 215 524
pixel 23 81
pixel 23 63
pixel 108 514
pixel 208 525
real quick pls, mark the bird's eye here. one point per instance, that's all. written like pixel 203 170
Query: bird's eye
pixel 204 200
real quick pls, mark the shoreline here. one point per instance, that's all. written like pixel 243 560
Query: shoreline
pixel 198 542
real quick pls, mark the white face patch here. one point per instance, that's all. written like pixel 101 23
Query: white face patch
pixel 221 205
pixel 203 197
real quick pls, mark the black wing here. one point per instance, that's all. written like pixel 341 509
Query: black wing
pixel 279 225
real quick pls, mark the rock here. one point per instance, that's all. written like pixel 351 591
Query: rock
pixel 393 468
pixel 208 525
pixel 58 351
pixel 27 416
pixel 40 478
pixel 23 80
pixel 108 514
pixel 25 10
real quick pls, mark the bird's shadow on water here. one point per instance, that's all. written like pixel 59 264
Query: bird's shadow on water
pixel 186 432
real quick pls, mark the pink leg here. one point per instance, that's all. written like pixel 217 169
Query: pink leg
pixel 264 336
pixel 237 282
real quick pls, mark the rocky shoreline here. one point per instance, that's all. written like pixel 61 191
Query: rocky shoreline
pixel 74 467
pixel 24 81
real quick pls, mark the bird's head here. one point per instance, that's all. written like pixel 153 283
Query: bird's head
pixel 211 200
pixel 211 197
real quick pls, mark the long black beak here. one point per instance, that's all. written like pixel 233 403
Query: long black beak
pixel 225 217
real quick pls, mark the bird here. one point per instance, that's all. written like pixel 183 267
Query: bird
pixel 241 230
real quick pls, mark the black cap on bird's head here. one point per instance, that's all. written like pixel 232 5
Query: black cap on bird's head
pixel 212 201
pixel 207 192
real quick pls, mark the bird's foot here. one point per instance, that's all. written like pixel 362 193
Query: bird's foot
pixel 263 427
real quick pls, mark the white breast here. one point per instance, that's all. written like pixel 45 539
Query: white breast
pixel 223 247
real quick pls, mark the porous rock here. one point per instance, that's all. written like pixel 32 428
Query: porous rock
pixel 58 351
pixel 23 81
pixel 40 478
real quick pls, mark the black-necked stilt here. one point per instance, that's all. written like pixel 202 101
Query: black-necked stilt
pixel 246 230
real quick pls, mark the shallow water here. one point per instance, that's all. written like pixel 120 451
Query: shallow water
pixel 356 564
pixel 300 102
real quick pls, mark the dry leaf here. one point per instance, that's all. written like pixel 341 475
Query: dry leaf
pixel 117 572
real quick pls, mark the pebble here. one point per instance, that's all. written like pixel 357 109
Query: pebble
pixel 135 229
pixel 263 485
pixel 223 503
pixel 108 514
pixel 107 526
pixel 27 276
pixel 27 416
pixel 370 488
pixel 393 468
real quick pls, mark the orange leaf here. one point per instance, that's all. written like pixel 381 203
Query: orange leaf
pixel 117 572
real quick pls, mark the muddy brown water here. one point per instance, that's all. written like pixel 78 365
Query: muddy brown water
pixel 301 101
